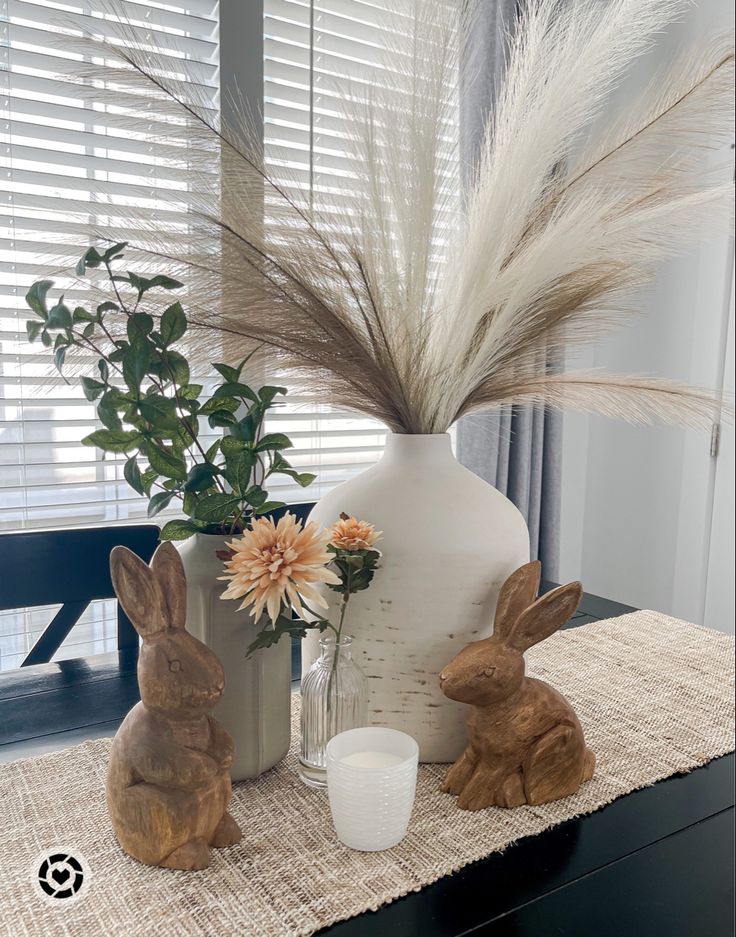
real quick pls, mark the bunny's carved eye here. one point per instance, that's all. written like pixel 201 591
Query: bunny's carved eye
pixel 175 666
pixel 489 671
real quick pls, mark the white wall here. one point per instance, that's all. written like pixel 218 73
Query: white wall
pixel 637 500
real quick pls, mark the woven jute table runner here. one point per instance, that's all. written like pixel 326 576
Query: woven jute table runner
pixel 655 697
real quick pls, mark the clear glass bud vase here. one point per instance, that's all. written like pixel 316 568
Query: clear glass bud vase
pixel 334 698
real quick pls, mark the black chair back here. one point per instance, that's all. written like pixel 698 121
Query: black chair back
pixel 72 567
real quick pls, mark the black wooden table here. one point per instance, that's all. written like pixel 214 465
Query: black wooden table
pixel 659 861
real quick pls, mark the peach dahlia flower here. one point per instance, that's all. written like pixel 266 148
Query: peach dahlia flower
pixel 351 534
pixel 275 565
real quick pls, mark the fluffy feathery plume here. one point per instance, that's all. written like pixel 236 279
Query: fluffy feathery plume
pixel 396 297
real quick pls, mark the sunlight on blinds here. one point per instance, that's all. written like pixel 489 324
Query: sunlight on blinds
pixel 64 162
pixel 307 47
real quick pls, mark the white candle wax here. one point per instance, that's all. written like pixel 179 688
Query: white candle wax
pixel 371 760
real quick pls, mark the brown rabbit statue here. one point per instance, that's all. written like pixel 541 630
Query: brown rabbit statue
pixel 168 783
pixel 525 743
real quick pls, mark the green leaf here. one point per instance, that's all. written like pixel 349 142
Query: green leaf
pixel 236 390
pixel 273 441
pixel 92 388
pixel 166 462
pixel 107 307
pixel 36 297
pixel 110 440
pixel 280 466
pixel 135 364
pixel 247 428
pixel 139 326
pixel 89 330
pixel 216 508
pixel 229 373
pixel 147 480
pixel 80 314
pixel 160 411
pixel 179 530
pixel 269 506
pixel 213 450
pixel 59 356
pixel 304 479
pixel 115 251
pixel 173 324
pixel 230 446
pixel 292 627
pixel 239 469
pixel 177 366
pixel 159 501
pixel 221 418
pixel 255 496
pixel 164 282
pixel 33 328
pixel 191 392
pixel 60 317
pixel 268 393
pixel 90 258
pixel 219 403
pixel 142 284
pixel 107 412
pixel 103 369
pixel 46 339
pixel 200 477
pixel 132 475
pixel 182 437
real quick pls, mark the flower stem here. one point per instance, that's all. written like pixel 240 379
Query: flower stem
pixel 338 634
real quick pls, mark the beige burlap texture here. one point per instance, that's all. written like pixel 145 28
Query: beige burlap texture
pixel 655 697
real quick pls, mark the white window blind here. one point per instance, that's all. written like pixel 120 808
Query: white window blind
pixel 310 46
pixel 65 160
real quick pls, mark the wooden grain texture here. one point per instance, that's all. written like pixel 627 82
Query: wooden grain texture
pixel 168 782
pixel 525 743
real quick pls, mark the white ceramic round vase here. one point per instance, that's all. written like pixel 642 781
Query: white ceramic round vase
pixel 255 707
pixel 449 542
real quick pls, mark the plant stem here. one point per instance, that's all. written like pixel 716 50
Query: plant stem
pixel 115 288
pixel 338 635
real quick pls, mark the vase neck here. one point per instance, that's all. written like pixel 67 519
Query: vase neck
pixel 328 645
pixel 427 450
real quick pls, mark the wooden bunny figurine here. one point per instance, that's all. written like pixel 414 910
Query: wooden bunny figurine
pixel 168 783
pixel 526 745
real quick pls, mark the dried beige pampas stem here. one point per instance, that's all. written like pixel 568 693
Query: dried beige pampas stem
pixel 391 294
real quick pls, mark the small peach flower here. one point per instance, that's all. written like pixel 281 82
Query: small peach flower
pixel 275 565
pixel 351 534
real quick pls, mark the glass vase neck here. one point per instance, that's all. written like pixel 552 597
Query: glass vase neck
pixel 329 643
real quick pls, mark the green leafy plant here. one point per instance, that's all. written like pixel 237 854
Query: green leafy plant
pixel 151 410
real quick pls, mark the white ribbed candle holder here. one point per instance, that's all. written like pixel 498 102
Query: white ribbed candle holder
pixel 371 783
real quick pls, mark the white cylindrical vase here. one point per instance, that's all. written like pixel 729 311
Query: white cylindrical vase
pixel 449 542
pixel 255 706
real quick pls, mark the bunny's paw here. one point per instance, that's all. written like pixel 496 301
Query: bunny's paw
pixel 460 773
pixel 511 792
pixel 227 833
pixel 480 791
pixel 192 855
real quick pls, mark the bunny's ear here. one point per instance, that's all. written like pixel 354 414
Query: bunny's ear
pixel 169 572
pixel 516 595
pixel 137 591
pixel 545 616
